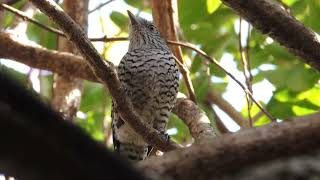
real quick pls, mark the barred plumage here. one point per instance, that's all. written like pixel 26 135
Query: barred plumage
pixel 150 77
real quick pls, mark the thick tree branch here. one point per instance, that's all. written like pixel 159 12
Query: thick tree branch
pixel 37 143
pixel 271 19
pixel 313 116
pixel 196 120
pixel 42 58
pixel 107 74
pixel 222 155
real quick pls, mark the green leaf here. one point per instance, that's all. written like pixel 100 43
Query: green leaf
pixel 276 77
pixel 282 110
pixel 119 19
pixel 214 70
pixel 135 3
pixel 286 103
pixel 264 120
pixel 312 19
pixel 191 11
pixel 93 125
pixel 92 96
pixel 289 2
pixel 212 5
pixel 41 36
pixel 9 17
pixel 201 87
pixel 297 78
pixel 312 95
pixel 301 78
pixel 183 133
pixel 300 9
pixel 196 64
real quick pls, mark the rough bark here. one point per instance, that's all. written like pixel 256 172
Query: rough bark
pixel 196 120
pixel 67 90
pixel 42 58
pixel 225 154
pixel 271 19
pixel 296 168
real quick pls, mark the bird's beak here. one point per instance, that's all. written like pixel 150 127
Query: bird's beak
pixel 133 18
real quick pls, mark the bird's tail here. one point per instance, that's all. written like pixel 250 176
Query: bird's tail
pixel 132 152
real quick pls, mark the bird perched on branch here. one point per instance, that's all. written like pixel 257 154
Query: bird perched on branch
pixel 150 77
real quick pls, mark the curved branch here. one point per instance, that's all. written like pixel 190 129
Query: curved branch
pixel 271 19
pixel 196 120
pixel 222 155
pixel 106 73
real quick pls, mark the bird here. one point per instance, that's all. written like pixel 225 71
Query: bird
pixel 150 78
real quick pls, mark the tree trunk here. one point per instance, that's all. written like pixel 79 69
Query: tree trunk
pixel 67 90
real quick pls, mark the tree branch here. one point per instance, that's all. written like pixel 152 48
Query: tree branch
pixel 42 58
pixel 272 20
pixel 24 16
pixel 37 143
pixel 313 116
pixel 100 6
pixel 225 154
pixel 196 120
pixel 106 73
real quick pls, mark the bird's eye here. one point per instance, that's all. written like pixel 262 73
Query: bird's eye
pixel 151 28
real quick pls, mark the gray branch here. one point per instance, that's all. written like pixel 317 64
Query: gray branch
pixel 268 17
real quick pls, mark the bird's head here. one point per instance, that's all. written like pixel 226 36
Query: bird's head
pixel 144 34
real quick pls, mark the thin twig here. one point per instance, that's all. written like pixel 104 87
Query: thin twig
pixel 10 2
pixel 214 61
pixel 106 39
pixel 257 116
pixel 246 67
pixel 186 45
pixel 100 6
pixel 25 17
